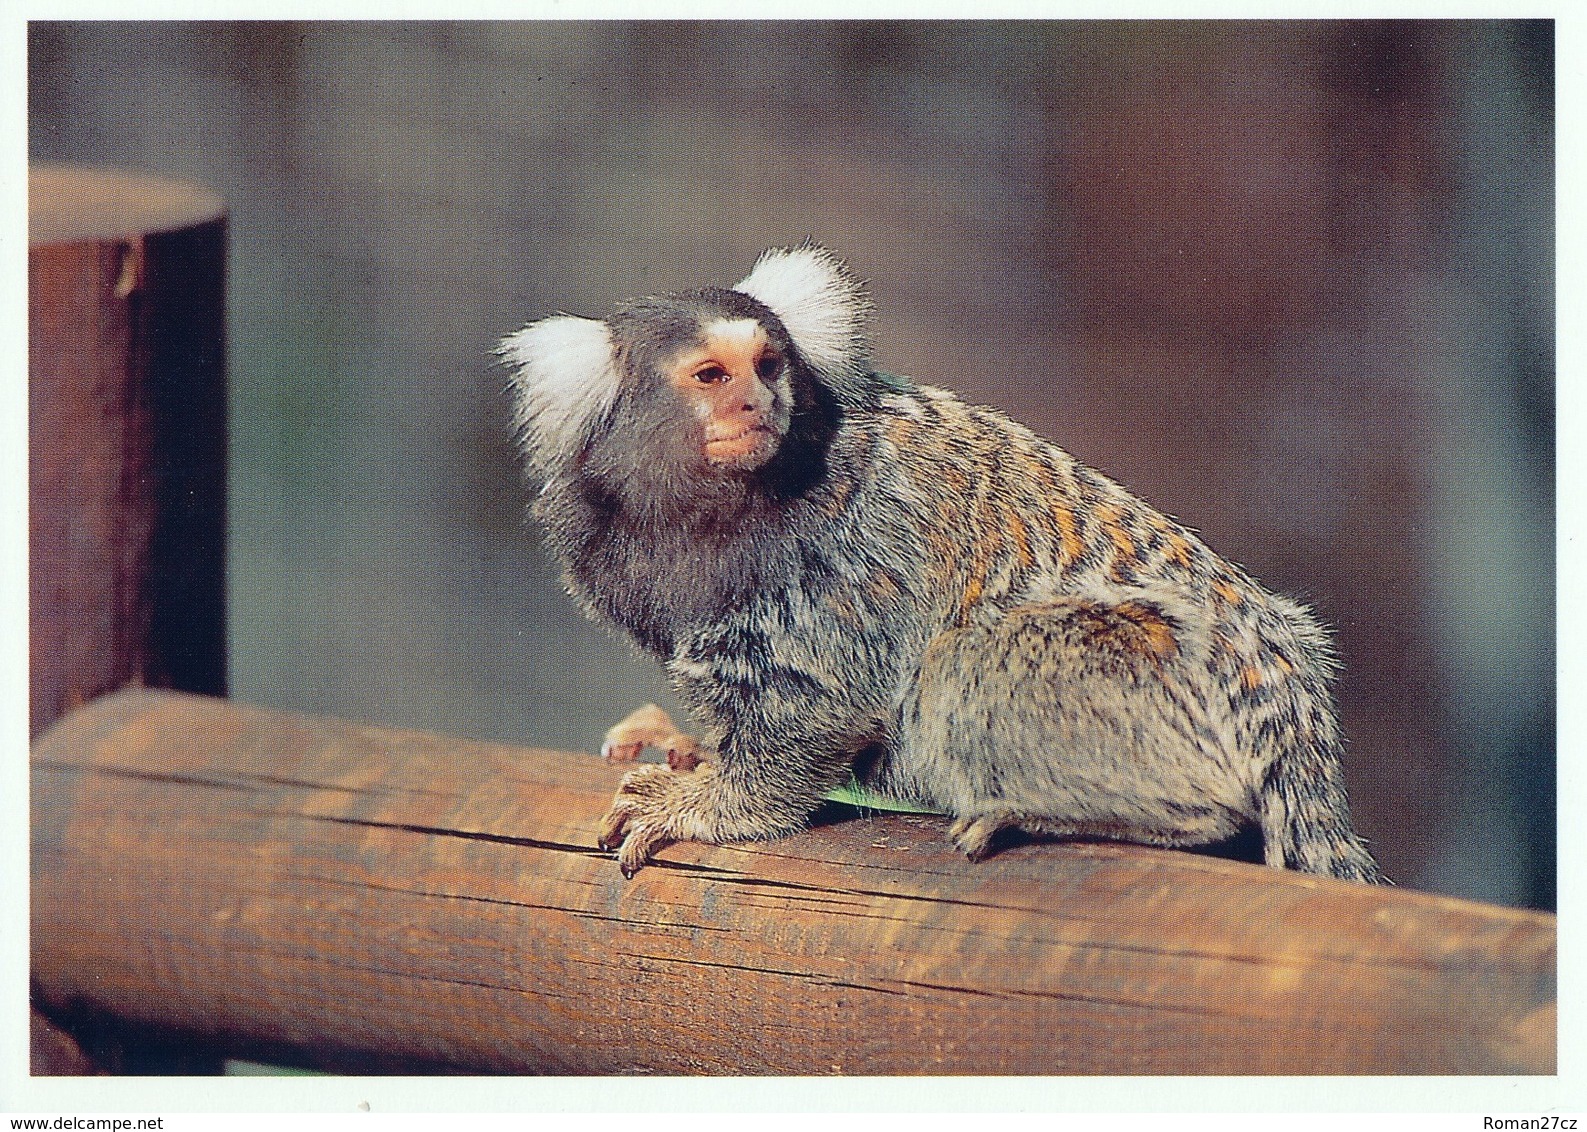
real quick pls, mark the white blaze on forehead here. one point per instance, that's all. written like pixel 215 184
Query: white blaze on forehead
pixel 745 330
pixel 735 344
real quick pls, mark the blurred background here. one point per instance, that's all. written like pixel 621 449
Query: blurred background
pixel 1291 282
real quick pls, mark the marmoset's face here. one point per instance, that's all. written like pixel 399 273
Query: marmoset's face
pixel 734 380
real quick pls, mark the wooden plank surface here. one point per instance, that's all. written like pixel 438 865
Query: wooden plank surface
pixel 74 204
pixel 284 882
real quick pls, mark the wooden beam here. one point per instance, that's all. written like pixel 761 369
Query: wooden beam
pixel 266 880
pixel 126 436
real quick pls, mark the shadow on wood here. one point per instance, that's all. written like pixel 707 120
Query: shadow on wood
pixel 272 881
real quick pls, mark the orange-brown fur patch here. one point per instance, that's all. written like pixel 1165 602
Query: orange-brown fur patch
pixel 1110 517
pixel 1177 549
pixel 1068 532
pixel 1132 629
pixel 1228 593
pixel 1126 555
pixel 1155 637
pixel 901 432
pixel 956 480
pixel 1069 540
pixel 1021 536
pixel 983 551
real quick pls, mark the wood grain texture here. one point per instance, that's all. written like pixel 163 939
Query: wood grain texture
pixel 127 437
pixel 272 880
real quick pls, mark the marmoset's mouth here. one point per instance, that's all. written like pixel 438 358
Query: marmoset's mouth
pixel 753 441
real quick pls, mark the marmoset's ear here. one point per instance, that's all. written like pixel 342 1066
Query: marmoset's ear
pixel 565 379
pixel 822 305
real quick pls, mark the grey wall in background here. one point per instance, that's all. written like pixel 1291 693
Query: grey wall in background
pixel 1292 282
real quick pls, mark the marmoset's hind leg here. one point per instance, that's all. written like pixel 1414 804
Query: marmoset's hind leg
pixel 1078 717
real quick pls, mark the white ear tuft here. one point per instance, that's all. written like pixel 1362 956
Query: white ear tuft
pixel 566 380
pixel 821 304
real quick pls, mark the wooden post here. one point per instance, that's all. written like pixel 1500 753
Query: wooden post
pixel 349 895
pixel 126 436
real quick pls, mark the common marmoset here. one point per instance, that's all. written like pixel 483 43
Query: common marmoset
pixel 846 572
